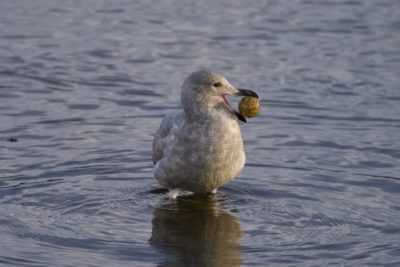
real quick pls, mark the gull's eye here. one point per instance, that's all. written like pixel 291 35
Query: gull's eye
pixel 217 84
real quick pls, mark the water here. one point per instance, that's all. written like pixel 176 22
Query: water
pixel 85 84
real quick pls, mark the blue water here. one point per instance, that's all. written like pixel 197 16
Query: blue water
pixel 85 84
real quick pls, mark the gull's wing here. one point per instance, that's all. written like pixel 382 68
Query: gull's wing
pixel 160 138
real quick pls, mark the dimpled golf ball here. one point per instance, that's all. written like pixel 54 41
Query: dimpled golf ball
pixel 249 106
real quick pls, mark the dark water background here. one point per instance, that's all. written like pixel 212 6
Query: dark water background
pixel 85 84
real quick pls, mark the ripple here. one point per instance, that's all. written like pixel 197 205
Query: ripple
pixel 84 106
pixel 101 53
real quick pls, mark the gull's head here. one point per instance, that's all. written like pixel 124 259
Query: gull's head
pixel 205 91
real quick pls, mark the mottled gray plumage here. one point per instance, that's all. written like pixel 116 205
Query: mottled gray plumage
pixel 200 148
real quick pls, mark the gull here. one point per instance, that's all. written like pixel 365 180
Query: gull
pixel 200 148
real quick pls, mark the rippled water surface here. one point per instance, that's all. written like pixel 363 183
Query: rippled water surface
pixel 85 84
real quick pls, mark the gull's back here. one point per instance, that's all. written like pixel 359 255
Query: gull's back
pixel 161 137
pixel 197 156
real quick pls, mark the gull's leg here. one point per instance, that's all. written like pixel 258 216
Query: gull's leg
pixel 173 193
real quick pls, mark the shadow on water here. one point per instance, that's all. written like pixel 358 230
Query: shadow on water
pixel 195 231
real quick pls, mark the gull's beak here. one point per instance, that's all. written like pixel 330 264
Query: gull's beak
pixel 246 92
pixel 243 92
pixel 240 117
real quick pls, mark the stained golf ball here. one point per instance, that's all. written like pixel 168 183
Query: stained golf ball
pixel 249 106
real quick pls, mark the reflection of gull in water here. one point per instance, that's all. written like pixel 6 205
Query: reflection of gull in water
pixel 196 233
pixel 200 148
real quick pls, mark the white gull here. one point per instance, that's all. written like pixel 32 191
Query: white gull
pixel 200 148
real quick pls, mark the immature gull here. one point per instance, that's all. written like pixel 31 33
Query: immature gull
pixel 200 148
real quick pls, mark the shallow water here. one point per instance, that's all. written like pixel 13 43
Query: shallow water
pixel 85 84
